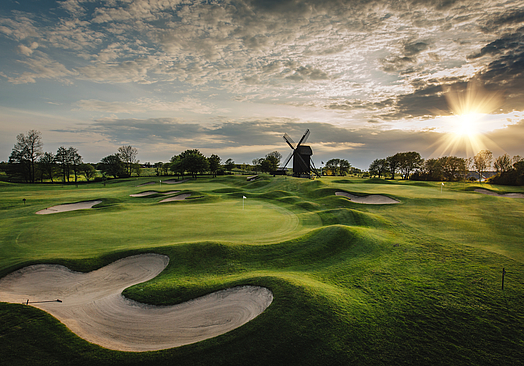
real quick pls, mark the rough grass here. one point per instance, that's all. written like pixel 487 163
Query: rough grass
pixel 410 284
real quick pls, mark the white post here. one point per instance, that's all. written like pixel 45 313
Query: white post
pixel 243 198
pixel 161 183
pixel 442 185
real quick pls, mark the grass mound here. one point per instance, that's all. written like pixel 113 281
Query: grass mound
pixel 410 284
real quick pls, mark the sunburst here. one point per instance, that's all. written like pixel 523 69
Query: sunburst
pixel 470 108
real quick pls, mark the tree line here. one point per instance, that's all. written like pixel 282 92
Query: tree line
pixel 28 162
pixel 410 165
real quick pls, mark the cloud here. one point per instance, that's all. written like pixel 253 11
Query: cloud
pixel 147 104
pixel 28 51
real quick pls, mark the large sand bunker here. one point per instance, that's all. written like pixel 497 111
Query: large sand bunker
pixel 180 197
pixel 93 307
pixel 509 195
pixel 372 199
pixel 69 207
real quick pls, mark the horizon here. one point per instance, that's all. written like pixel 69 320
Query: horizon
pixel 369 79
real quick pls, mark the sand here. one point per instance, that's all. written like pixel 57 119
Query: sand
pixel 149 193
pixel 93 307
pixel 508 195
pixel 372 199
pixel 180 197
pixel 69 207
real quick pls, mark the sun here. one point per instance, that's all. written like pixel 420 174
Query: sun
pixel 467 125
pixel 470 108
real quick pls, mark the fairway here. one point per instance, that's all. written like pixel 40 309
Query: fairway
pixel 146 224
pixel 412 283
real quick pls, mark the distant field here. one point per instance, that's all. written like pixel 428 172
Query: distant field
pixel 415 283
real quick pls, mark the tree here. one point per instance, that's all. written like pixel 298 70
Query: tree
pixel 393 164
pixel 68 159
pixel 128 156
pixel 378 167
pixel 76 161
pixel 344 167
pixel 158 168
pixel 271 162
pixel 482 161
pixel 503 163
pixel 47 165
pixel 112 165
pixel 214 164
pixel 88 171
pixel 451 167
pixel 408 162
pixel 332 166
pixel 275 157
pixel 176 165
pixel 229 165
pixel 194 162
pixel 25 154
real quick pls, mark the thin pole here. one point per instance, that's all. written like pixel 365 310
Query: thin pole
pixel 503 273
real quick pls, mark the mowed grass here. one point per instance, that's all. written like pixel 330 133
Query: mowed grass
pixel 416 283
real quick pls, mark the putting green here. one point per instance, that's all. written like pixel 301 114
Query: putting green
pixel 143 225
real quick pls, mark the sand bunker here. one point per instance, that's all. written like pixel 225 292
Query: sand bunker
pixel 180 197
pixel 372 199
pixel 69 207
pixel 93 307
pixel 509 195
pixel 149 193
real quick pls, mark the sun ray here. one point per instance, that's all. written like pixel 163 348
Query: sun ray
pixel 470 108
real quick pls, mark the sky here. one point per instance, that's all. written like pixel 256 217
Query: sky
pixel 367 78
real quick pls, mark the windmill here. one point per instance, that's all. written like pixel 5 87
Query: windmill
pixel 301 154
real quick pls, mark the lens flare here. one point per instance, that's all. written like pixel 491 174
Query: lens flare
pixel 470 108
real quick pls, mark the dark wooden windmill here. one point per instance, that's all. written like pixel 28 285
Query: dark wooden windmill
pixel 301 154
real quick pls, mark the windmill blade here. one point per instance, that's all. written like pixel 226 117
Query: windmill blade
pixel 289 141
pixel 314 168
pixel 286 162
pixel 304 138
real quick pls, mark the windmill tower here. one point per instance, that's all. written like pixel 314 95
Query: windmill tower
pixel 301 154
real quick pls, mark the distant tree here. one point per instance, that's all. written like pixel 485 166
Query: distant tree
pixel 176 165
pixel 229 165
pixel 158 168
pixel 25 154
pixel 271 162
pixel 88 171
pixel 128 156
pixel 257 164
pixel 503 163
pixel 408 162
pixel 194 162
pixel 76 161
pixel 378 167
pixel 214 164
pixel 344 167
pixel 275 157
pixel 332 166
pixel 482 162
pixel 47 165
pixel 393 164
pixel 112 165
pixel 452 167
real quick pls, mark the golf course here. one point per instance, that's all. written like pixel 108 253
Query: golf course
pixel 273 271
